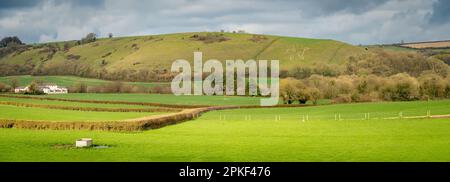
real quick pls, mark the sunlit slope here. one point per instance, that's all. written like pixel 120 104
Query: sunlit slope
pixel 159 51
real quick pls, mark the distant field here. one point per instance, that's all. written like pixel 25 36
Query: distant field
pixel 230 135
pixel 41 114
pixel 164 98
pixel 424 45
pixel 72 104
pixel 67 81
pixel 391 48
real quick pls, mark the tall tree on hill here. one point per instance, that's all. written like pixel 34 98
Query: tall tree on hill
pixel 90 37
pixel 9 41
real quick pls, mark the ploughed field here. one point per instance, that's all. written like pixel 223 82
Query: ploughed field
pixel 346 132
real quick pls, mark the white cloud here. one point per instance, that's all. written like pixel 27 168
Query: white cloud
pixel 354 22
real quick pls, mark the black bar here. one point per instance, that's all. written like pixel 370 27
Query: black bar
pixel 278 170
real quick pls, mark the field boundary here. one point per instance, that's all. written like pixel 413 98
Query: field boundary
pixel 139 124
pixel 95 109
pixel 150 122
pixel 106 102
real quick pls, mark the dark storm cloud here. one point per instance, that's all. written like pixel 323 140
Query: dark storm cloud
pixel 18 4
pixel 353 21
pixel 13 4
pixel 441 12
pixel 329 7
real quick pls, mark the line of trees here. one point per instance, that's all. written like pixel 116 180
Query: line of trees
pixel 353 88
pixel 378 62
pixel 118 87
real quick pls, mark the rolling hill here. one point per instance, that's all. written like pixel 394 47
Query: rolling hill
pixel 131 58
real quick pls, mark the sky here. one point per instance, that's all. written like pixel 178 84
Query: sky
pixel 351 21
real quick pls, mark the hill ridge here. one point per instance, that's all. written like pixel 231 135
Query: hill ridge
pixel 148 58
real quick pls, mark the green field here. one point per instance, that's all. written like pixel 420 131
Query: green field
pixel 41 114
pixel 164 98
pixel 228 136
pixel 71 104
pixel 67 81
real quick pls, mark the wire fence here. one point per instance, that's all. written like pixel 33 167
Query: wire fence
pixel 337 116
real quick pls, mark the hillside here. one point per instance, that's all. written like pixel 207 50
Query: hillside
pixel 146 58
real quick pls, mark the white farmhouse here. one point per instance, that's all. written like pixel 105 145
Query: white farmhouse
pixel 52 89
pixel 21 89
pixel 46 88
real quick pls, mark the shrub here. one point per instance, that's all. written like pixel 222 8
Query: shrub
pixel 10 41
pixel 209 38
pixel 302 94
pixel 91 37
pixel 314 94
pixel 33 88
pixel 4 87
pixel 388 63
pixel 432 85
pixel 161 89
pixel 342 98
pixel 79 87
pixel 301 72
pixel 14 83
pixel 401 87
pixel 288 90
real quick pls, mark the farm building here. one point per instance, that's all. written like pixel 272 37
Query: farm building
pixel 45 88
pixel 21 89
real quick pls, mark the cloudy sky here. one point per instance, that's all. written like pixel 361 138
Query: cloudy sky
pixel 353 21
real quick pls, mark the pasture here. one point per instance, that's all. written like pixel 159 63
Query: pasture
pixel 43 114
pixel 164 98
pixel 261 134
pixel 68 81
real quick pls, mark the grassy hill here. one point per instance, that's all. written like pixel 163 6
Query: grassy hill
pixel 157 52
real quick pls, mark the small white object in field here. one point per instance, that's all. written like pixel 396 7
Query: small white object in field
pixel 83 142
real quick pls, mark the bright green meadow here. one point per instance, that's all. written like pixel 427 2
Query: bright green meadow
pixel 255 135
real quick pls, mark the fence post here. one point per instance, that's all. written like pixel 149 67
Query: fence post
pixel 400 115
pixel 339 116
pixel 307 117
pixel 429 114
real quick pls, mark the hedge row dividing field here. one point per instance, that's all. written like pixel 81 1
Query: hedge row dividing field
pixel 104 101
pixel 8 112
pixel 227 135
pixel 143 123
pixel 156 121
pixel 72 104
pixel 191 100
pixel 165 109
